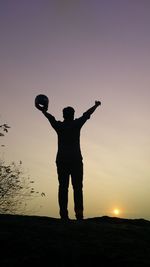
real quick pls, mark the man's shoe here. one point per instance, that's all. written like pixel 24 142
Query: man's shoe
pixel 79 214
pixel 64 218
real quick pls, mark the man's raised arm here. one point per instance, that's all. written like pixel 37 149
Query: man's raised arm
pixel 50 117
pixel 92 109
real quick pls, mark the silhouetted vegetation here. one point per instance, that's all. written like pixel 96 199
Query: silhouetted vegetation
pixel 4 128
pixel 16 189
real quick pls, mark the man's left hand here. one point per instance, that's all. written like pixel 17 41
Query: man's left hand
pixel 97 103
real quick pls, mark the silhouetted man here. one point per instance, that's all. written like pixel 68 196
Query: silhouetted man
pixel 69 157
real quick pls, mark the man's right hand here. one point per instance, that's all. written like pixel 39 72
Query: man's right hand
pixel 41 108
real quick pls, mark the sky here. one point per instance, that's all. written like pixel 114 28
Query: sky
pixel 76 52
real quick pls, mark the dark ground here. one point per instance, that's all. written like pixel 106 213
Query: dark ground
pixel 102 241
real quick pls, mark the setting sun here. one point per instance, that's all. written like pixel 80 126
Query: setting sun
pixel 116 211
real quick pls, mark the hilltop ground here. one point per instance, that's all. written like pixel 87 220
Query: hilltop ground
pixel 102 241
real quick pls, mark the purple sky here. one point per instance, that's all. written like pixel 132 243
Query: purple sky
pixel 77 52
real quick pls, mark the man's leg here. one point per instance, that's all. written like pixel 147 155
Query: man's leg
pixel 77 182
pixel 63 178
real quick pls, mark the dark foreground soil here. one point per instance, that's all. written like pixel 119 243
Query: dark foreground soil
pixel 102 241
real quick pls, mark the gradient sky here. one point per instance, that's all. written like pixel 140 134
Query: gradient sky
pixel 76 52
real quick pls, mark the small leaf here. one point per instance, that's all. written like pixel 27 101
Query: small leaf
pixel 6 126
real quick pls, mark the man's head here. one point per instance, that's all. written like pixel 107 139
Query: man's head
pixel 68 113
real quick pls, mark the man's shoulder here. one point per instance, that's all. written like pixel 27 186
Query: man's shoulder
pixel 59 123
pixel 56 124
pixel 84 117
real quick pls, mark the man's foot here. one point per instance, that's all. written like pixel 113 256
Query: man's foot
pixel 64 218
pixel 64 215
pixel 79 215
pixel 80 219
